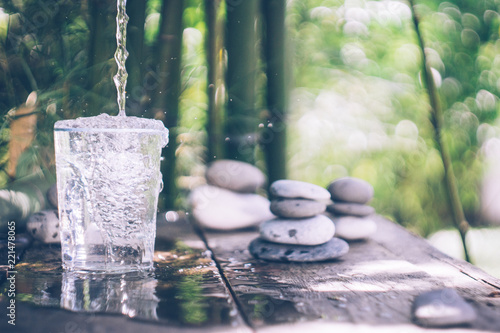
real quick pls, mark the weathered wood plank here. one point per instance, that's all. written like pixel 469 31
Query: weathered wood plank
pixel 371 288
pixel 185 293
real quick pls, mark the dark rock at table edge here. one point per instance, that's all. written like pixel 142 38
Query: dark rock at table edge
pixel 452 299
pixel 342 249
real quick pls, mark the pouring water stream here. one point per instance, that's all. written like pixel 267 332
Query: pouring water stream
pixel 121 55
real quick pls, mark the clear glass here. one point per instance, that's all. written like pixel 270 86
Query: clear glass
pixel 108 181
pixel 133 296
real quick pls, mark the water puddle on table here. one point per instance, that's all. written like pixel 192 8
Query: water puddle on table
pixel 184 289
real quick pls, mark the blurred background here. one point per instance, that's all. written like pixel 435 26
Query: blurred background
pixel 311 90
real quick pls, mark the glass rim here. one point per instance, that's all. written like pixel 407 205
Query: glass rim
pixel 104 130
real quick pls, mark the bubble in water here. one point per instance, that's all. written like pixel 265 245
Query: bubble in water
pixel 172 216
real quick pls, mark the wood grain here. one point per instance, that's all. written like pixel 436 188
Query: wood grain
pixel 369 289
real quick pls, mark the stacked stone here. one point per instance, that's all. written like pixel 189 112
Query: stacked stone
pixel 351 214
pixel 43 226
pixel 229 200
pixel 299 233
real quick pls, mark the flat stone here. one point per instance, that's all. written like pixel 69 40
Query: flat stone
pixel 354 228
pixel 44 226
pixel 351 190
pixel 352 209
pixel 286 188
pixel 310 231
pixel 235 175
pixel 442 308
pixel 297 208
pixel 220 209
pixel 52 196
pixel 262 249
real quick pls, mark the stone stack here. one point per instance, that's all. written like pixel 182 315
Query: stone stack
pixel 299 233
pixel 229 200
pixel 44 225
pixel 350 211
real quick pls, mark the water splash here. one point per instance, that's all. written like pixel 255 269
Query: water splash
pixel 121 55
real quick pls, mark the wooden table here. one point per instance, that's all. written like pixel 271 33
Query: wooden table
pixel 208 282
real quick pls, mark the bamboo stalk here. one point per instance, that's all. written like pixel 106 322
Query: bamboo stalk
pixel 136 10
pixel 242 120
pixel 101 50
pixel 274 136
pixel 167 97
pixel 437 121
pixel 215 72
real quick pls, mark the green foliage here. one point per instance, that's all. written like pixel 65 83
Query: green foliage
pixel 358 107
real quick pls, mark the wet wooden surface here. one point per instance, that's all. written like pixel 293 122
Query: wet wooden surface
pixel 208 282
pixel 185 294
pixel 369 289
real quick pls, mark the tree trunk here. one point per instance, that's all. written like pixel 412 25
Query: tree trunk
pixel 242 120
pixel 215 72
pixel 22 132
pixel 136 10
pixel 167 97
pixel 273 137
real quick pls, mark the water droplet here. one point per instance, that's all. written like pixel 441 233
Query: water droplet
pixel 171 216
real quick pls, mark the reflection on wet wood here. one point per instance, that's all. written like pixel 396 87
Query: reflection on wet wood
pixel 20 244
pixel 370 288
pixel 185 292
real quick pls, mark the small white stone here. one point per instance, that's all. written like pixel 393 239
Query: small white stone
pixel 311 231
pixel 286 188
pixel 235 176
pixel 44 226
pixel 354 228
pixel 217 208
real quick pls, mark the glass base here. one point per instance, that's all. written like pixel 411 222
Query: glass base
pixel 94 259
